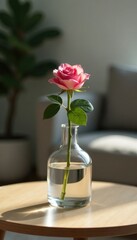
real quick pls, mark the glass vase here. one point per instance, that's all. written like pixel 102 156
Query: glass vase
pixel 69 172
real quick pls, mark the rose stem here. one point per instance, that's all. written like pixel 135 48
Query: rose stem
pixel 66 174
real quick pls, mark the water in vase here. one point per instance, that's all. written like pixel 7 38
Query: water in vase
pixel 78 187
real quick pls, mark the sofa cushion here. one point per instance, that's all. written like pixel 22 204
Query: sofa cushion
pixel 114 142
pixel 121 109
pixel 114 155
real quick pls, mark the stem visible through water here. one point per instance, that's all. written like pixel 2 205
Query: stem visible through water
pixel 66 174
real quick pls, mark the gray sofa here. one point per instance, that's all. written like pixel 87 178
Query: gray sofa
pixel 110 136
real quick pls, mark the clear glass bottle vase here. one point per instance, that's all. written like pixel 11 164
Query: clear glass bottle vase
pixel 69 172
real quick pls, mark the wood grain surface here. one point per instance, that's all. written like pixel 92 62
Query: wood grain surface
pixel 112 212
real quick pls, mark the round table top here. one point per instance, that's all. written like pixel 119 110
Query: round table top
pixel 112 212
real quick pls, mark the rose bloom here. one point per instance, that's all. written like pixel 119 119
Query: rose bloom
pixel 69 77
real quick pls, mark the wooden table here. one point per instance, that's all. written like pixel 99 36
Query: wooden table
pixel 24 209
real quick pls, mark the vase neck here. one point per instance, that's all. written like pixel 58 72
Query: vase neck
pixel 66 131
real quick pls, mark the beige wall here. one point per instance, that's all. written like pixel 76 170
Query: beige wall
pixel 96 33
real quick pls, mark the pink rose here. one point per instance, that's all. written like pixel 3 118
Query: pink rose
pixel 69 77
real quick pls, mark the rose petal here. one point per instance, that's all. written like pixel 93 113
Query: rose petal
pixel 79 69
pixel 69 77
pixel 58 83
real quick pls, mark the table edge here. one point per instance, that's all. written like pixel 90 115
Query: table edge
pixel 69 232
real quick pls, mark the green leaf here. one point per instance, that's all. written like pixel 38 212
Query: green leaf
pixel 20 11
pixel 51 111
pixel 7 53
pixel 4 67
pixel 3 89
pixel 32 21
pixel 26 64
pixel 4 52
pixel 3 36
pixel 77 116
pixel 55 99
pixel 16 43
pixel 52 32
pixel 25 8
pixel 83 104
pixel 10 82
pixel 6 19
pixel 41 36
pixel 18 7
pixel 14 5
pixel 42 68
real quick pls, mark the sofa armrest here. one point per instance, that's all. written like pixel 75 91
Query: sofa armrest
pixel 48 132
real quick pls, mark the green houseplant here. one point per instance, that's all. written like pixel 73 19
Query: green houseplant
pixel 19 37
pixel 17 57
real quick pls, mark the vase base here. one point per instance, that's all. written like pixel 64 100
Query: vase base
pixel 69 202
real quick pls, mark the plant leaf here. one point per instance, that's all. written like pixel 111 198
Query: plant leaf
pixel 10 82
pixel 15 42
pixel 43 68
pixel 52 32
pixel 77 116
pixel 83 104
pixel 3 89
pixel 14 5
pixel 3 36
pixel 32 21
pixel 19 8
pixel 51 111
pixel 25 8
pixel 26 64
pixel 20 12
pixel 41 36
pixel 55 99
pixel 6 19
pixel 4 68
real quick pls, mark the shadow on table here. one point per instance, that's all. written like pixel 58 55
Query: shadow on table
pixel 104 197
